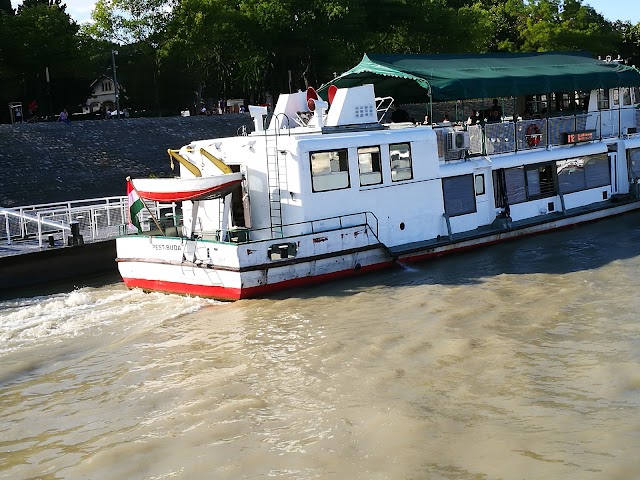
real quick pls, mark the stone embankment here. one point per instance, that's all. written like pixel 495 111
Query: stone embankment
pixel 52 162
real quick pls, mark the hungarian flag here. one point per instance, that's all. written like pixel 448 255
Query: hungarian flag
pixel 135 205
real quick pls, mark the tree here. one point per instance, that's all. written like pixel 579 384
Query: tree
pixel 42 35
pixel 566 25
pixel 5 6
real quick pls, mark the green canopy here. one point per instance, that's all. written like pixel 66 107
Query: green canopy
pixel 411 78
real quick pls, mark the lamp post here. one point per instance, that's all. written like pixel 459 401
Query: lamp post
pixel 115 81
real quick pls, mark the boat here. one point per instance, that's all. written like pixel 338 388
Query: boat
pixel 181 189
pixel 326 189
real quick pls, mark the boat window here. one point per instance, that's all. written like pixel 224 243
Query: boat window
pixel 515 185
pixel 597 171
pixel 616 96
pixel 400 157
pixel 603 99
pixel 581 173
pixel 329 170
pixel 626 96
pixel 634 162
pixel 370 166
pixel 537 104
pixel 459 195
pixel 480 184
pixel 540 181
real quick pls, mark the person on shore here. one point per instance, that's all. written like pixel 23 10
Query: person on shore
pixel 33 108
pixel 64 117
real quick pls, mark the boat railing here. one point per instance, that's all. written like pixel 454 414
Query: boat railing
pixel 93 219
pixel 535 133
pixel 243 235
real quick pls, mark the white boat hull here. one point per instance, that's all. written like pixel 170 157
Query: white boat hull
pixel 232 272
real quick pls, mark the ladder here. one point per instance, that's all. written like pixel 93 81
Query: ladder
pixel 274 184
pixel 277 182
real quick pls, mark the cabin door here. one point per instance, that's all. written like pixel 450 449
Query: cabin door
pixel 500 191
pixel 613 163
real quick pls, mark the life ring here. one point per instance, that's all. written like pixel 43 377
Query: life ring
pixel 533 135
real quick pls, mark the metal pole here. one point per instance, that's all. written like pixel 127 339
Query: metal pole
pixel 115 81
pixel 46 71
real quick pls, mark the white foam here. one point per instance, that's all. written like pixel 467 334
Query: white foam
pixel 28 322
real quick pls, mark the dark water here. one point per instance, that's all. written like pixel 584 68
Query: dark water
pixel 520 361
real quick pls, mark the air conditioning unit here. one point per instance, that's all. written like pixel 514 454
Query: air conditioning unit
pixel 458 140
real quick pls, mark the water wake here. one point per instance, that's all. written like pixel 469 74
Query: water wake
pixel 31 321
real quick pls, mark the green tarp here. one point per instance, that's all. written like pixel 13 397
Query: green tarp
pixel 410 78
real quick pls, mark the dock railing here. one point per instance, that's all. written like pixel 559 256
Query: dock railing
pixel 90 220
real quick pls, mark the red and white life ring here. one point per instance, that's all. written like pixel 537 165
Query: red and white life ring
pixel 533 135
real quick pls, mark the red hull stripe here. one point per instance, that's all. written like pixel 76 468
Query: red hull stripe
pixel 181 196
pixel 224 293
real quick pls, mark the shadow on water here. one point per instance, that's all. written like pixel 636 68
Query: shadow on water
pixel 580 248
pixel 63 286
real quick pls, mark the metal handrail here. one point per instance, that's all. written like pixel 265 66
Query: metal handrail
pixel 313 227
pixel 50 218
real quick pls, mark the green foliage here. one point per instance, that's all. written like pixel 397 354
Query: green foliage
pixel 177 53
pixel 5 6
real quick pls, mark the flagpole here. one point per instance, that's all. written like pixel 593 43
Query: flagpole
pixel 145 205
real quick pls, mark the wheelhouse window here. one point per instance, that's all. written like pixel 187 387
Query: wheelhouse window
pixel 459 195
pixel 581 173
pixel 370 166
pixel 400 158
pixel 329 170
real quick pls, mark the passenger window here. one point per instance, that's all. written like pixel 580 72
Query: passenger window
pixel 459 195
pixel 480 184
pixel 329 170
pixel 400 157
pixel 370 166
pixel 603 99
pixel 540 182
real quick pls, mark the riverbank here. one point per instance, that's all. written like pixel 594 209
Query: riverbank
pixel 52 162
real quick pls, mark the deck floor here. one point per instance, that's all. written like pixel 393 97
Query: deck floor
pixel 505 225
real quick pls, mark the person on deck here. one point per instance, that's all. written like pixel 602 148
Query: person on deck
pixel 400 115
pixel 473 118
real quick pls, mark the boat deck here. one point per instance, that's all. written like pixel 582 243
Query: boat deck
pixel 504 228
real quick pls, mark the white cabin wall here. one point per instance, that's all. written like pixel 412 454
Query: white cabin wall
pixel 407 211
pixel 485 212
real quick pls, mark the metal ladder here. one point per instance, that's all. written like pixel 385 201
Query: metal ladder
pixel 277 181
